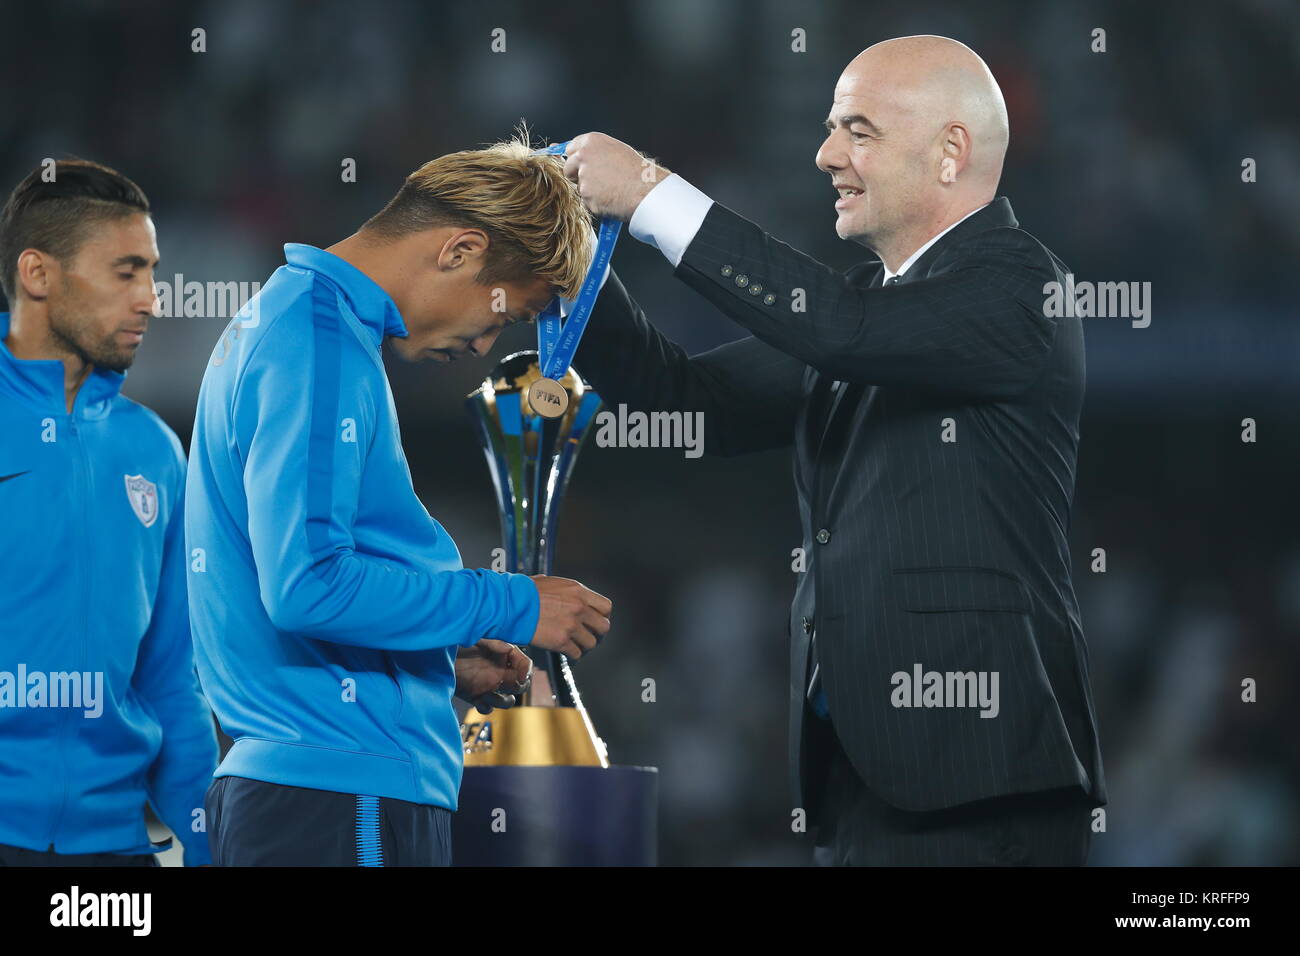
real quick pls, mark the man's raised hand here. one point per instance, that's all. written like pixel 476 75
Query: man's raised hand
pixel 612 177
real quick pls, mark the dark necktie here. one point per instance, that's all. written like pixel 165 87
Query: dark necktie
pixel 837 388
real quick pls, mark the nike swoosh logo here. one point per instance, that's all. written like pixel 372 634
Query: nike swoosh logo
pixel 4 478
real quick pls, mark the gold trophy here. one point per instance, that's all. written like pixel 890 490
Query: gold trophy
pixel 531 454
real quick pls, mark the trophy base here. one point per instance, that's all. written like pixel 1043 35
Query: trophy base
pixel 558 816
pixel 526 736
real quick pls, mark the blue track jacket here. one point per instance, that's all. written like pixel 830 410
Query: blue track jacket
pixel 327 603
pixel 99 706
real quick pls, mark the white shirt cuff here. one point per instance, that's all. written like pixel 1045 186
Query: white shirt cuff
pixel 670 216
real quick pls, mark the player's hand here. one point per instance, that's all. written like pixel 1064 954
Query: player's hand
pixel 492 674
pixel 612 177
pixel 573 618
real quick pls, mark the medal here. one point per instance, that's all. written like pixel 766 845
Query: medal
pixel 548 398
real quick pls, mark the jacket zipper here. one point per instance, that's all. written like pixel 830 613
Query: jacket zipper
pixel 82 491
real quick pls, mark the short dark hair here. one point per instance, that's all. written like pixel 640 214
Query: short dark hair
pixel 57 216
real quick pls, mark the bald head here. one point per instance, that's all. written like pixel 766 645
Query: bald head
pixel 929 82
pixel 918 124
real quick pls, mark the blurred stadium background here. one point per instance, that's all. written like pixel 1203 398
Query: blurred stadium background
pixel 1126 164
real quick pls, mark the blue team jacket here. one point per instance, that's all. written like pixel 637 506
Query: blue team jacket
pixel 327 603
pixel 99 706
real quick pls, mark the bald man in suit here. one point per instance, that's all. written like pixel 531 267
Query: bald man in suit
pixel 941 711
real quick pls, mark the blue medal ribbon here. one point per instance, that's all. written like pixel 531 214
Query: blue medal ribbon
pixel 556 343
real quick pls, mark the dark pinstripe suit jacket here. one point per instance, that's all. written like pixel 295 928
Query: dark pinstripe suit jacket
pixel 947 554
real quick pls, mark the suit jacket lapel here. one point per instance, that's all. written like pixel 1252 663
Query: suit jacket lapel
pixel 832 398
pixel 827 406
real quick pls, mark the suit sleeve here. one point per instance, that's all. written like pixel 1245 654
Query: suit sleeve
pixel 749 393
pixel 294 406
pixel 164 676
pixel 977 327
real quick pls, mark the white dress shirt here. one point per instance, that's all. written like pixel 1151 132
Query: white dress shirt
pixel 920 252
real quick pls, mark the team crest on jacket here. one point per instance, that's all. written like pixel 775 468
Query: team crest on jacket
pixel 143 495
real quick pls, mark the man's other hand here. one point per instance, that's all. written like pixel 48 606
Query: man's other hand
pixel 492 674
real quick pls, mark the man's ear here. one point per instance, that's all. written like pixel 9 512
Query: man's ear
pixel 34 273
pixel 955 152
pixel 464 247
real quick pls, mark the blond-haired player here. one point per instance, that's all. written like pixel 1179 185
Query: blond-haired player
pixel 332 617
